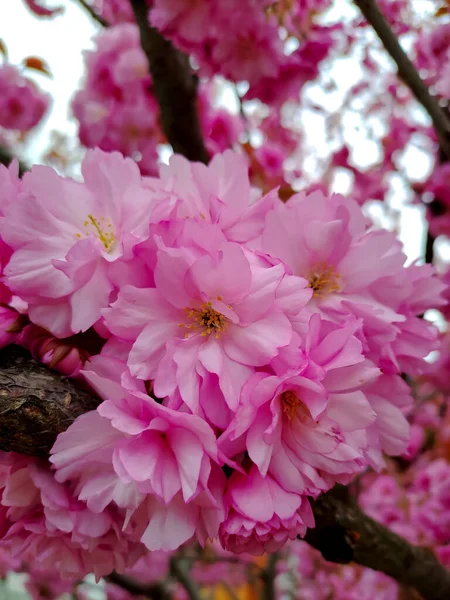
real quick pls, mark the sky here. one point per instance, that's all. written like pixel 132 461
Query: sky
pixel 60 42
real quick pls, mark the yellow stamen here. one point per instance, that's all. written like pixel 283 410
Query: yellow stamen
pixel 279 9
pixel 206 319
pixel 107 238
pixel 293 407
pixel 323 280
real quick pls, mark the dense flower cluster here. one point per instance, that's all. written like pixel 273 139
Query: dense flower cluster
pixel 248 354
pixel 117 110
pixel 240 40
pixel 22 103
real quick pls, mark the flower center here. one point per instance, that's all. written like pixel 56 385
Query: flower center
pixel 323 280
pixel 279 9
pixel 293 407
pixel 207 319
pixel 102 229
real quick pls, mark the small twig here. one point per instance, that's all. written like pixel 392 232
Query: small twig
pixel 407 71
pixel 6 157
pixel 230 590
pixel 181 574
pixel 154 591
pixel 268 577
pixel 88 8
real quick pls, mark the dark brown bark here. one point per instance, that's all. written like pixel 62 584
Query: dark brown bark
pixel 175 88
pixel 36 404
pixel 344 534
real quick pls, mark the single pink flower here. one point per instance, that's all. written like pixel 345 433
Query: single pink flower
pixel 219 193
pixel 154 462
pixel 67 236
pixel 261 515
pixel 46 525
pixel 22 103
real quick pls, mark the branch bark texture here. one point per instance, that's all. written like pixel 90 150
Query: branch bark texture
pixel 36 404
pixel 344 534
pixel 175 88
pixel 407 71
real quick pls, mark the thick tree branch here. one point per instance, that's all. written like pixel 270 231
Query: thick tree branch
pixel 175 88
pixel 344 534
pixel 35 403
pixel 407 71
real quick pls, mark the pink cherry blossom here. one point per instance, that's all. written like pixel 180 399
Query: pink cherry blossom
pixel 356 271
pixel 68 237
pixel 219 193
pixel 262 516
pixel 22 103
pixel 212 317
pixel 178 481
pixel 307 427
pixel 46 525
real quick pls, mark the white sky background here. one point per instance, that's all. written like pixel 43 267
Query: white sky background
pixel 60 42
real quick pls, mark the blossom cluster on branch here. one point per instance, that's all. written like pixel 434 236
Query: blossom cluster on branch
pixel 250 347
pixel 22 103
pixel 251 356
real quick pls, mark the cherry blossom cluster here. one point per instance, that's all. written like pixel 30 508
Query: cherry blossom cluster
pixel 247 353
pixel 22 103
pixel 117 110
pixel 240 40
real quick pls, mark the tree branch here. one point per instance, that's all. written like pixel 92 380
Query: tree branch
pixel 175 88
pixel 36 404
pixel 268 577
pixel 181 574
pixel 344 534
pixel 154 591
pixel 407 71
